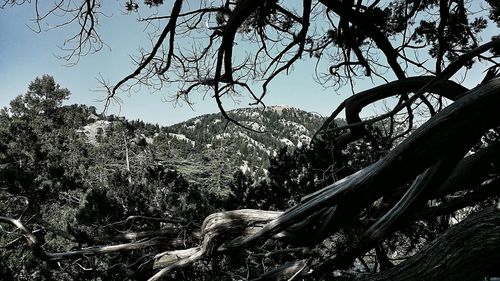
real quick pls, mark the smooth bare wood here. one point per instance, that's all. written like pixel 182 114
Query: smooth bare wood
pixel 453 130
pixel 467 251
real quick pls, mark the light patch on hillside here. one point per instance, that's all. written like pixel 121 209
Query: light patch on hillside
pixel 147 139
pixel 278 108
pixel 266 172
pixel 244 168
pixel 299 127
pixel 254 143
pixel 253 114
pixel 182 137
pixel 287 141
pixel 254 126
pixel 222 136
pixel 92 130
pixel 303 140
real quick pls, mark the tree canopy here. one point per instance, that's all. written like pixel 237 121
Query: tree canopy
pixel 412 193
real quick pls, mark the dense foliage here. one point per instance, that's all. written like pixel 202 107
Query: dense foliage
pixel 75 177
pixel 410 194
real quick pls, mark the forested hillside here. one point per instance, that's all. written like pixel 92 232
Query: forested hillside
pixel 82 178
pixel 72 171
pixel 209 142
pixel 217 145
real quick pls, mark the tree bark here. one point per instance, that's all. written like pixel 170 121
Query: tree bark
pixel 452 131
pixel 469 250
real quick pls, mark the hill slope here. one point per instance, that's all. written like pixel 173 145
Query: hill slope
pixel 211 141
pixel 207 149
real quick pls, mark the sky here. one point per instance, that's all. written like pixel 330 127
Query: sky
pixel 24 55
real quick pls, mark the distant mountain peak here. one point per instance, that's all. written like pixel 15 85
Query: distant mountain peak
pixel 237 147
pixel 280 107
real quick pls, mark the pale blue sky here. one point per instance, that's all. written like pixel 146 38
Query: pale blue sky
pixel 25 55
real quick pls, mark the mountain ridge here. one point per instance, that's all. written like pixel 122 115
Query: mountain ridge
pixel 207 148
pixel 280 126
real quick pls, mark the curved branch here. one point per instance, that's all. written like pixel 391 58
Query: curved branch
pixel 371 31
pixel 169 28
pixel 443 76
pixel 31 239
pixel 452 131
pixel 354 104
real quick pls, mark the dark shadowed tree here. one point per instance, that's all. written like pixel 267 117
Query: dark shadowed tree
pixel 390 220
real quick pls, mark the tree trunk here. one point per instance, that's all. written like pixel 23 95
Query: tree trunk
pixel 469 250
